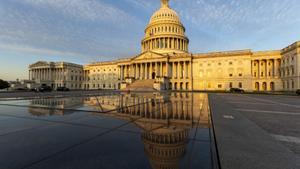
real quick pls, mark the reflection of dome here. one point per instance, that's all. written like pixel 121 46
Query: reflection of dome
pixel 165 32
pixel 165 146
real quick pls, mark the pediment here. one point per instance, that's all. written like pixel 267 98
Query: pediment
pixel 149 56
pixel 40 64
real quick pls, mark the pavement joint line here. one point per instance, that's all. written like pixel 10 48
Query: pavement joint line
pixel 39 126
pixel 215 155
pixel 57 122
pixel 251 103
pixel 77 144
pixel 269 112
pixel 66 109
pixel 195 135
pixel 289 139
pixel 81 143
pixel 274 102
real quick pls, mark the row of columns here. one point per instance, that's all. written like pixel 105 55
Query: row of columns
pixel 262 71
pixel 174 70
pixel 288 71
pixel 46 74
pixel 181 70
pixel 165 43
pixel 177 110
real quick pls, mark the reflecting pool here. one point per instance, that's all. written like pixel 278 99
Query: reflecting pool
pixel 111 131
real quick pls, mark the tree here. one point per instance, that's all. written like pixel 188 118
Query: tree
pixel 3 84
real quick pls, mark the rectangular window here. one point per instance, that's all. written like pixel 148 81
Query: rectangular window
pixel 240 85
pixel 219 86
pixel 230 75
pixel 240 74
pixel 230 85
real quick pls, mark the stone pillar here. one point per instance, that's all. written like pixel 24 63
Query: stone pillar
pixel 173 70
pixel 136 71
pixel 122 72
pixel 252 68
pixel 161 70
pixel 146 70
pixel 43 74
pixel 48 74
pixel 275 68
pixel 180 69
pixel 258 69
pixel 190 74
pixel 139 71
pixel 156 70
pixel 151 71
pixel 40 74
pixel 267 68
pixel 167 69
pixel 177 70
pixel 119 74
pixel 184 70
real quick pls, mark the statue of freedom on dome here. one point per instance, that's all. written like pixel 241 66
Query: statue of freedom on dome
pixel 164 3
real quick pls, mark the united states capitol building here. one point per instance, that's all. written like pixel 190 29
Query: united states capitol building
pixel 166 64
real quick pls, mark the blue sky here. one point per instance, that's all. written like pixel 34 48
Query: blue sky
pixel 84 31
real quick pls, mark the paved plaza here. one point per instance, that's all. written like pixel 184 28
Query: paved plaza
pixel 257 131
pixel 105 129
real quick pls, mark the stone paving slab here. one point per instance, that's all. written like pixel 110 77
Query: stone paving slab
pixel 242 144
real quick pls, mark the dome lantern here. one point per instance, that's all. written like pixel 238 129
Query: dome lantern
pixel 164 3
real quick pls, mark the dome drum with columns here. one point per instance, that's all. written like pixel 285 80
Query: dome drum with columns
pixel 165 33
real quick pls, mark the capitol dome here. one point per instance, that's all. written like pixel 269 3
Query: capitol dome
pixel 165 33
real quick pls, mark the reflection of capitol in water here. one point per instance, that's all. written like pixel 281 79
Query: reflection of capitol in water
pixel 181 108
pixel 165 147
pixel 166 121
pixel 54 106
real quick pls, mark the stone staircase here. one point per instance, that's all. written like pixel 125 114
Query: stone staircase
pixel 141 85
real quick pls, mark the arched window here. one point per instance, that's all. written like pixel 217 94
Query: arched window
pixel 257 86
pixel 272 86
pixel 264 86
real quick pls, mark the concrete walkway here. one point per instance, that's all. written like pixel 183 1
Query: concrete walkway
pixel 241 142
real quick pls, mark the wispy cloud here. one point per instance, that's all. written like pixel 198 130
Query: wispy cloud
pixel 84 9
pixel 232 15
pixel 38 51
